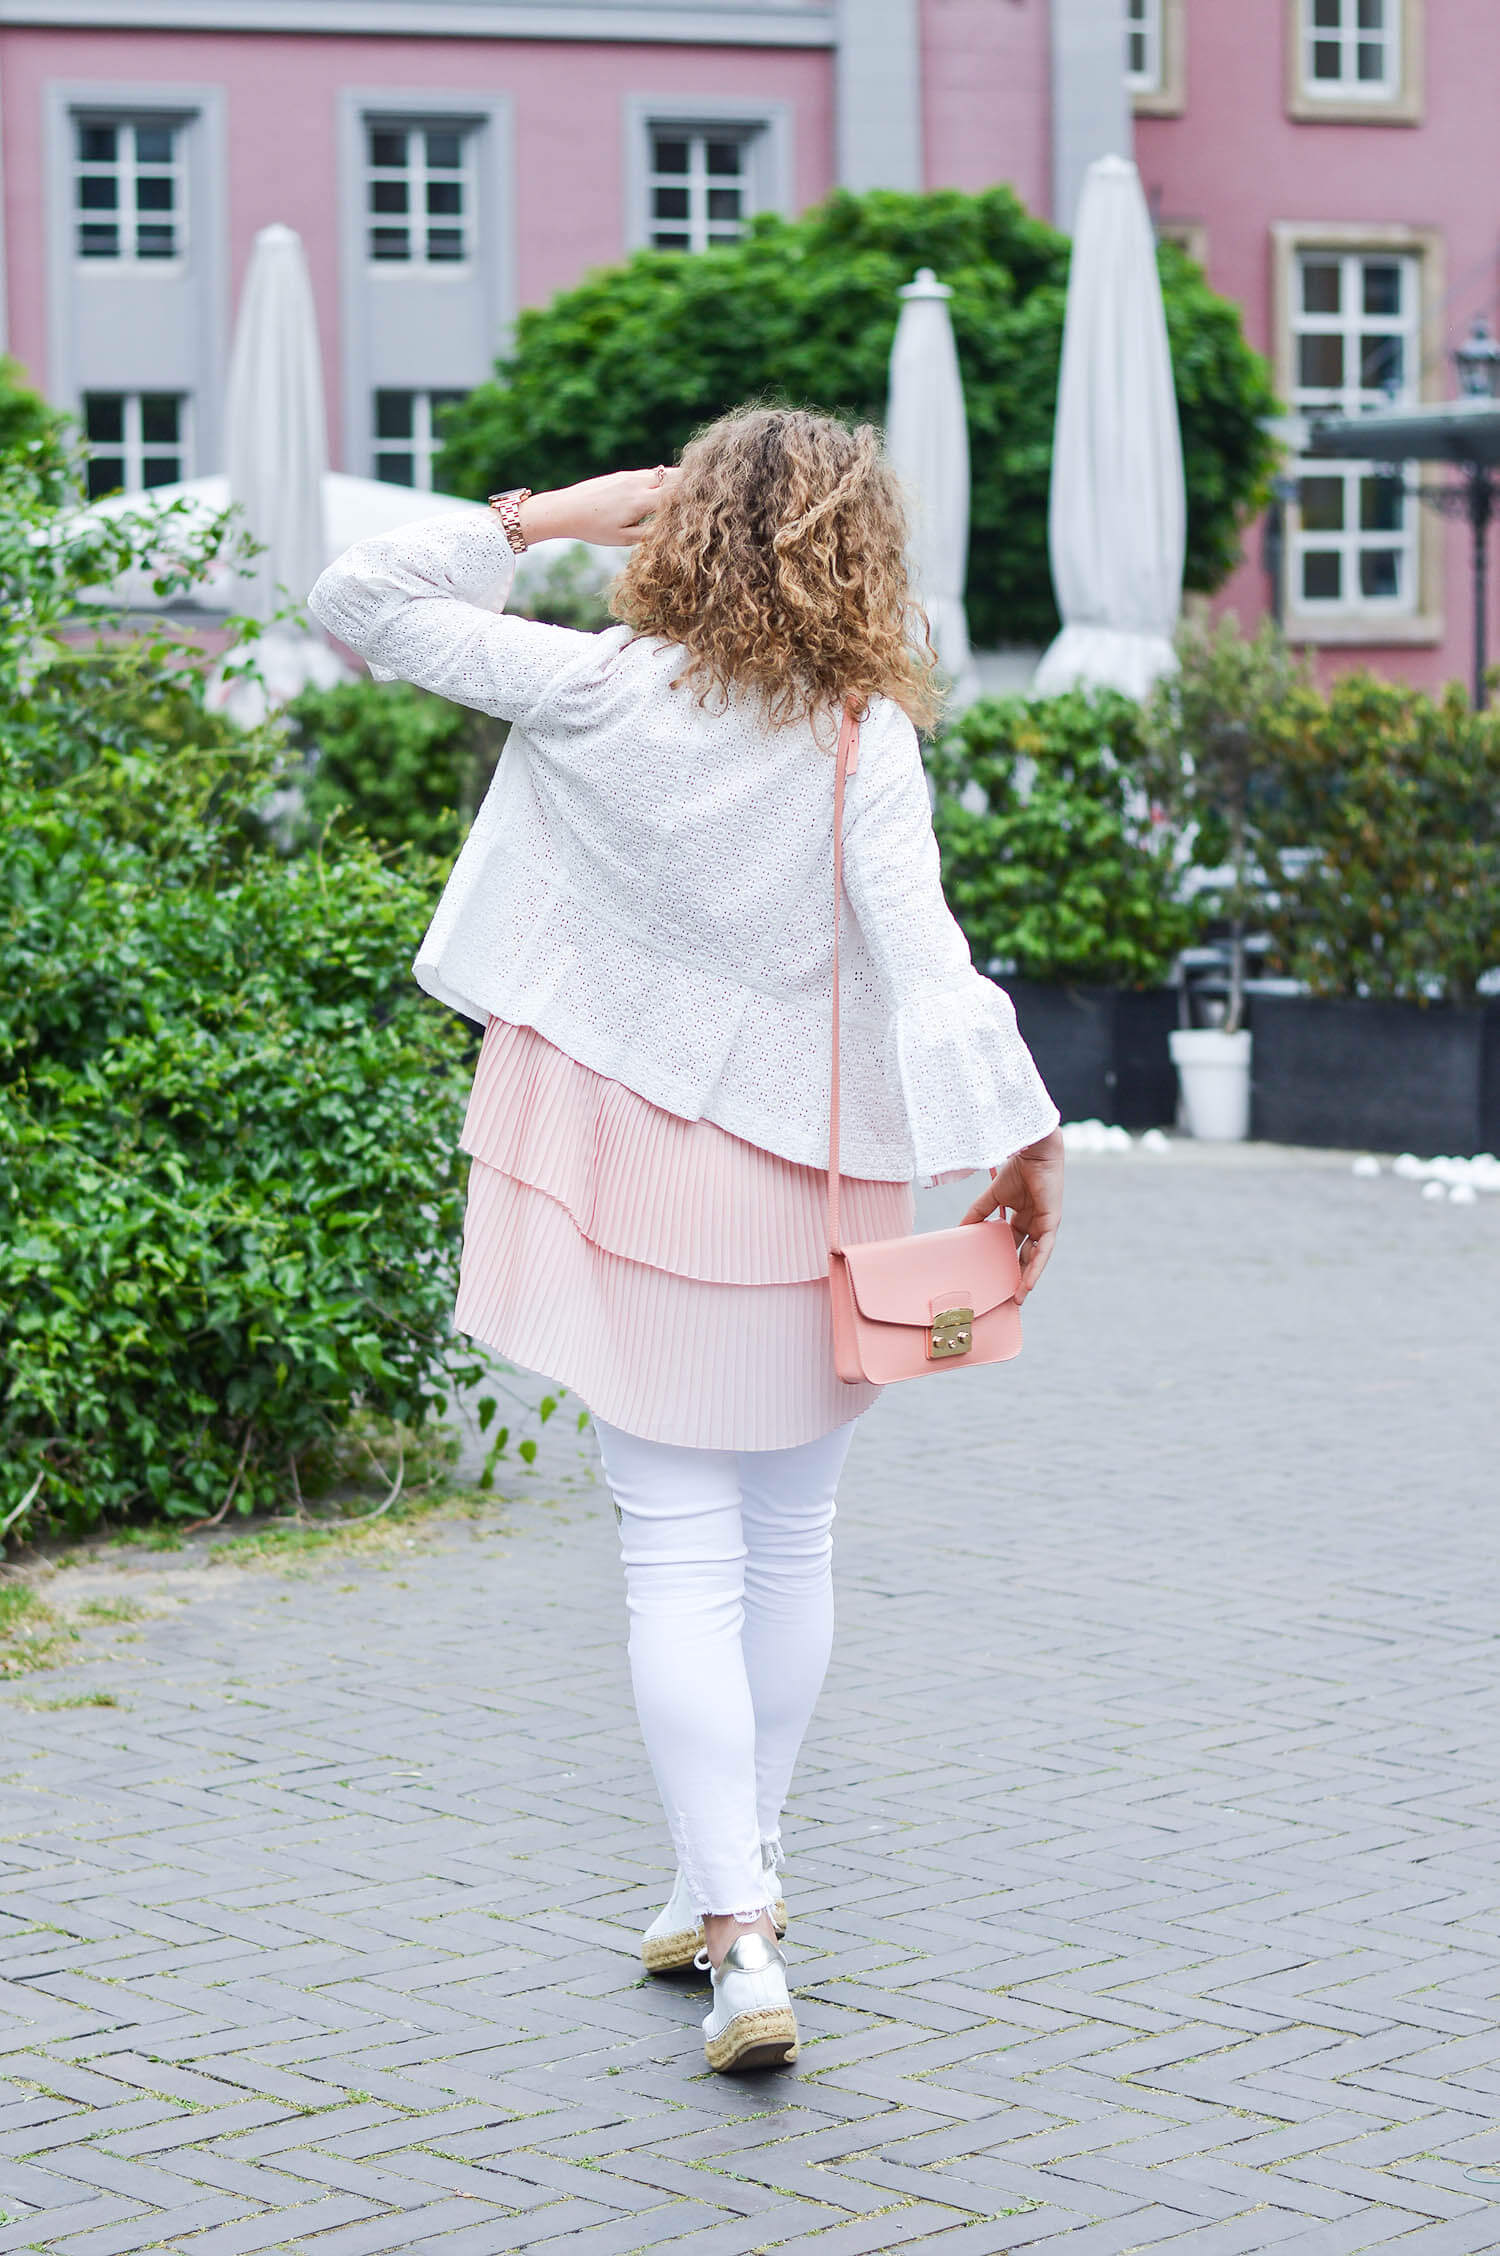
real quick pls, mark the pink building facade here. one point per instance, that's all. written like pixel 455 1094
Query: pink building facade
pixel 1335 164
pixel 447 162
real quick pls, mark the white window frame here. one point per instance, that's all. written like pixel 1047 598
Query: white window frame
pixel 763 126
pixel 1352 325
pixel 1394 99
pixel 1160 89
pixel 1143 32
pixel 1349 38
pixel 1415 616
pixel 167 319
pixel 703 231
pixel 424 445
pixel 125 169
pixel 365 284
pixel 415 172
pixel 133 448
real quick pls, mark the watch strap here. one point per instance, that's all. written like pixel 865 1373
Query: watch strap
pixel 507 507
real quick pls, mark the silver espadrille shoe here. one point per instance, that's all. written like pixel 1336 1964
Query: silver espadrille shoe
pixel 675 1936
pixel 752 2024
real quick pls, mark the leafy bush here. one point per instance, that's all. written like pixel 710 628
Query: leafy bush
pixel 397 762
pixel 1052 862
pixel 31 431
pixel 1382 840
pixel 403 764
pixel 568 594
pixel 1211 731
pixel 229 1199
pixel 627 365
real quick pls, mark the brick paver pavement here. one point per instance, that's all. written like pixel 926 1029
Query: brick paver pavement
pixel 1142 1864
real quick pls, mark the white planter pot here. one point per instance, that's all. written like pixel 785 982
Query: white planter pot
pixel 1214 1070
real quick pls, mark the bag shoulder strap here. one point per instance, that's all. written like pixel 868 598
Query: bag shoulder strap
pixel 845 766
pixel 848 762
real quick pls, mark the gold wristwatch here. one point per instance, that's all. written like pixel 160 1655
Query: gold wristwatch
pixel 507 507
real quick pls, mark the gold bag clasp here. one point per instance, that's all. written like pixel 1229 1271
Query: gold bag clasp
pixel 951 1333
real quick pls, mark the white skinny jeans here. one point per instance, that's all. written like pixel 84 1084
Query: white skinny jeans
pixel 729 1585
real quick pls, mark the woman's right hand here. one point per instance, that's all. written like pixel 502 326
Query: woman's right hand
pixel 1030 1186
pixel 612 511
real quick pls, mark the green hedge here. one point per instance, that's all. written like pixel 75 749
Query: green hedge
pixel 1052 861
pixel 397 762
pixel 1380 838
pixel 229 1196
pixel 1364 822
pixel 624 367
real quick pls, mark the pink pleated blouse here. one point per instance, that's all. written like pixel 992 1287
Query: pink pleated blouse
pixel 671 1276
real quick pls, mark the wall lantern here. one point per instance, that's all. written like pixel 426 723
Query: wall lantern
pixel 1477 360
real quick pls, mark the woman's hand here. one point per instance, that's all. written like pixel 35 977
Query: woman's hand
pixel 612 512
pixel 1030 1185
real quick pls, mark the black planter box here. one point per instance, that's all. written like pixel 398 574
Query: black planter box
pixel 1102 1051
pixel 1376 1076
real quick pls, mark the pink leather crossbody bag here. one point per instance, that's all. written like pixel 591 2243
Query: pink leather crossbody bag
pixel 906 1306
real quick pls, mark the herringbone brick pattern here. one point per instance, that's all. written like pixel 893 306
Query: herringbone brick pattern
pixel 1142 1869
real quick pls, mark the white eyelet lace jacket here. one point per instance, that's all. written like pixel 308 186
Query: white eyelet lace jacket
pixel 649 882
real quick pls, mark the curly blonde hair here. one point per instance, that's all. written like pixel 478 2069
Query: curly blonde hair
pixel 777 560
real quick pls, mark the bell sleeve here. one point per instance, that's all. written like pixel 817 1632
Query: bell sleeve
pixel 971 1090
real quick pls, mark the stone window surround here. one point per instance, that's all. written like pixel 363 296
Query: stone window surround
pixel 1169 98
pixel 766 125
pixel 1404 107
pixel 200 109
pixel 1190 235
pixel 492 117
pixel 1336 630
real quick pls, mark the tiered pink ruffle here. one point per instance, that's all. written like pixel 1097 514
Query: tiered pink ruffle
pixel 670 1275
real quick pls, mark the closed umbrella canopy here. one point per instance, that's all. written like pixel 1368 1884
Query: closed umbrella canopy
pixel 277 437
pixel 927 437
pixel 1117 521
pixel 277 445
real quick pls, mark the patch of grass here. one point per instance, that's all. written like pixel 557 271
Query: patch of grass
pixel 290 1544
pixel 148 1539
pixel 30 1633
pixel 112 1610
pixel 79 1700
pixel 18 1603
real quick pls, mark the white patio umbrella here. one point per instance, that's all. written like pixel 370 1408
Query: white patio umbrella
pixel 927 437
pixel 1116 525
pixel 277 448
pixel 277 440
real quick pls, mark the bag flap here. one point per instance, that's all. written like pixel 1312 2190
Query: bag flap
pixel 902 1280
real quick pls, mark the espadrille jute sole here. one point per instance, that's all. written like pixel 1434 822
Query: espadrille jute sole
pixel 665 1954
pixel 669 1954
pixel 755 2040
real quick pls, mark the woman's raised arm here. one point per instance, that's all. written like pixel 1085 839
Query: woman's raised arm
pixel 425 605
